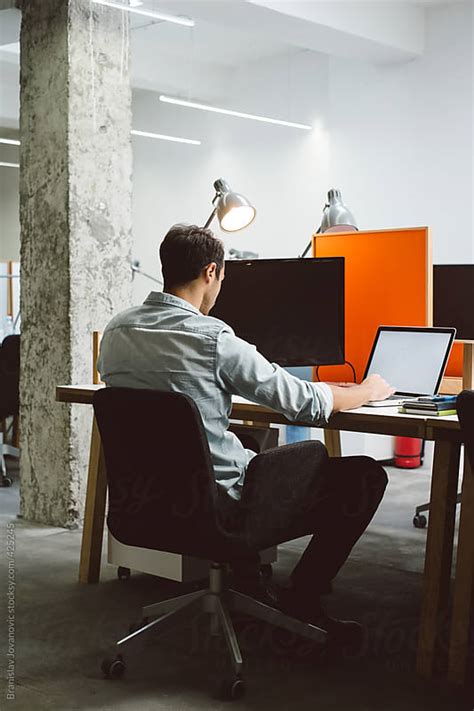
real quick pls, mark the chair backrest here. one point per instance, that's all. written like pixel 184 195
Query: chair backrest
pixel 162 491
pixel 465 405
pixel 9 376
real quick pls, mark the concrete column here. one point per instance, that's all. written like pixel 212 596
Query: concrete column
pixel 75 215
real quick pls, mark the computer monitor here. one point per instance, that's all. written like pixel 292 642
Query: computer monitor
pixel 453 298
pixel 291 309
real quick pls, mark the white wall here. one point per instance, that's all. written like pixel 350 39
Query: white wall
pixel 281 170
pixel 9 209
pixel 402 137
pixel 397 139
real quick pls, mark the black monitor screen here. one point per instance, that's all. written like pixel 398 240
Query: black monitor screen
pixel 291 309
pixel 453 298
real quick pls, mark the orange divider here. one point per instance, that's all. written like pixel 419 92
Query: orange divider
pixel 388 282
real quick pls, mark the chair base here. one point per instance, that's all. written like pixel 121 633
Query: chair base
pixel 217 601
pixel 9 451
pixel 419 520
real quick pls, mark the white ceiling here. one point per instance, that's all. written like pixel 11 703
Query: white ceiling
pixel 206 42
pixel 231 33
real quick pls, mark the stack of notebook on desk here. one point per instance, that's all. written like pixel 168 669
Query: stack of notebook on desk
pixel 435 406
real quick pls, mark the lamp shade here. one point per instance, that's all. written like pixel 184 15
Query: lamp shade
pixel 336 216
pixel 233 210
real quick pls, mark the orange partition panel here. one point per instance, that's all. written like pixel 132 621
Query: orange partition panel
pixel 388 282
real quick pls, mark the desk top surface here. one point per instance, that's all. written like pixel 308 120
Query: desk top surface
pixel 372 417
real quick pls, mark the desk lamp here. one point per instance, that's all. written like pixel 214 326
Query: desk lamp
pixel 136 269
pixel 233 210
pixel 336 217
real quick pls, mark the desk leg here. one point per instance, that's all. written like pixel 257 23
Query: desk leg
pixel 93 531
pixel 332 440
pixel 439 552
pixel 464 582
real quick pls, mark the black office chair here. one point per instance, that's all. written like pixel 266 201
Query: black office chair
pixel 163 496
pixel 465 405
pixel 9 396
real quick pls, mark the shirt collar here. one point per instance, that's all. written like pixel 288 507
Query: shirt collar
pixel 158 297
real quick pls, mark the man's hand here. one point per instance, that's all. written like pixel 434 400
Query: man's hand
pixel 348 396
pixel 378 388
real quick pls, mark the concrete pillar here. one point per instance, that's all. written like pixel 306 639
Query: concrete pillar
pixel 75 214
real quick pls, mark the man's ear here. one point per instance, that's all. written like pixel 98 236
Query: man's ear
pixel 210 270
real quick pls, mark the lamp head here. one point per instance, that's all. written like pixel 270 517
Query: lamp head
pixel 233 210
pixel 336 216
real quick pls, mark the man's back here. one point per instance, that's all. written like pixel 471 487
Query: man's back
pixel 168 344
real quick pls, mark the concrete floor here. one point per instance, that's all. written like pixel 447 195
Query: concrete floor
pixel 63 629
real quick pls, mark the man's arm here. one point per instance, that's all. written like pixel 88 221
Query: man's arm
pixel 347 397
pixel 242 370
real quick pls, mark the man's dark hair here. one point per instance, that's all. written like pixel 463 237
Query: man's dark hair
pixel 185 251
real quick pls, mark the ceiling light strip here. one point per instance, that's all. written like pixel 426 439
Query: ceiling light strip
pixel 9 165
pixel 186 21
pixel 10 141
pixel 163 137
pixel 238 114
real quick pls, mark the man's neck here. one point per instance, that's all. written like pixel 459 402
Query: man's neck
pixel 192 296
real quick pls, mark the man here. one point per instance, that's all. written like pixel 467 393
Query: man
pixel 171 343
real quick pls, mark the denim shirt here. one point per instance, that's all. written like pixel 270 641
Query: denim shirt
pixel 168 344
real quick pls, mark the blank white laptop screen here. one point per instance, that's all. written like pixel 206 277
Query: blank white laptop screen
pixel 411 361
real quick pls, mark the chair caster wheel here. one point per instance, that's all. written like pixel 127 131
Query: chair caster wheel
pixel 232 689
pixel 113 668
pixel 419 521
pixel 123 573
pixel 266 571
pixel 6 481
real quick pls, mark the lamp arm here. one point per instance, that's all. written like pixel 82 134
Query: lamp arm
pixel 137 270
pixel 308 246
pixel 210 218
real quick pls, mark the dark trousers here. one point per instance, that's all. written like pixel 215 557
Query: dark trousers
pixel 297 490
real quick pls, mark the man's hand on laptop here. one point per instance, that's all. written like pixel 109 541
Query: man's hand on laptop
pixel 378 388
pixel 348 396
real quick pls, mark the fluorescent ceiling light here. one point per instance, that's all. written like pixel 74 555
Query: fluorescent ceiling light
pixel 162 137
pixel 239 114
pixel 145 134
pixel 186 21
pixel 12 48
pixel 9 165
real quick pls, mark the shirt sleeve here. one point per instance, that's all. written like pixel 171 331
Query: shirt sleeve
pixel 242 370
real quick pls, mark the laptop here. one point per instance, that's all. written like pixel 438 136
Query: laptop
pixel 410 359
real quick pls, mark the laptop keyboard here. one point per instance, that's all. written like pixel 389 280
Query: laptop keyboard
pixel 401 397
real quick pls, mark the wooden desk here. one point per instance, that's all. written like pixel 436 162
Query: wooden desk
pixel 445 432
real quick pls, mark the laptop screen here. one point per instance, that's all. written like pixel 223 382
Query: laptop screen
pixel 412 360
